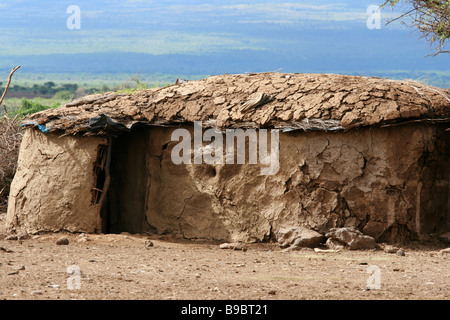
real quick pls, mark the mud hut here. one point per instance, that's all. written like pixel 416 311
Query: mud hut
pixel 367 153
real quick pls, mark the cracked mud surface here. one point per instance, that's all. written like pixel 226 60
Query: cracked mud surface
pixel 389 183
pixel 336 100
pixel 122 267
pixel 371 180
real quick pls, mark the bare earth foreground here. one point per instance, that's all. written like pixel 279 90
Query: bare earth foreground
pixel 123 267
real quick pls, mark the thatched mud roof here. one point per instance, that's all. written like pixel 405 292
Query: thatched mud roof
pixel 276 100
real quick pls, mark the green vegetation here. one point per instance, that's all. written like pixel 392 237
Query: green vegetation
pixel 25 97
pixel 429 17
pixel 24 100
pixel 23 106
pixel 93 80
pixel 29 107
pixel 47 89
pixel 135 84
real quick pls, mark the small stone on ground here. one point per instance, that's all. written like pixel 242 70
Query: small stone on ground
pixel 63 241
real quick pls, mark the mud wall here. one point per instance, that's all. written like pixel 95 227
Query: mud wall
pixel 391 183
pixel 52 188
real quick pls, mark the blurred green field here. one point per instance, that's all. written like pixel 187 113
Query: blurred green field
pixel 23 107
pixel 438 78
pixel 94 80
pixel 30 93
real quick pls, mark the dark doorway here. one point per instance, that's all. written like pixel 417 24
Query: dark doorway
pixel 125 207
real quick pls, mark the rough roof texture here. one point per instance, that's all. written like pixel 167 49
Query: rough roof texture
pixel 288 101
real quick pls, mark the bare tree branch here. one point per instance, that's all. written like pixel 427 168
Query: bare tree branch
pixel 7 86
pixel 431 18
pixel 401 16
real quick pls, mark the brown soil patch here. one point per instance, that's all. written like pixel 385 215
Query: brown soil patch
pixel 123 267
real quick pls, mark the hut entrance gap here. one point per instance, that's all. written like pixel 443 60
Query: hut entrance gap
pixel 124 207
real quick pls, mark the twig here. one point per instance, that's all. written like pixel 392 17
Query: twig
pixel 106 183
pixel 437 53
pixel 7 86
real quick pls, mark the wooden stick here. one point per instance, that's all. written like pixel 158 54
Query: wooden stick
pixel 7 86
pixel 105 186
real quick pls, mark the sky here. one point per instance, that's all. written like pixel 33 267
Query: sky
pixel 301 36
pixel 168 27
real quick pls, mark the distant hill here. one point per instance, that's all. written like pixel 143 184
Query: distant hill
pixel 201 37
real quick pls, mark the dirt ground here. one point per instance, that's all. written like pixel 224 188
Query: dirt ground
pixel 123 267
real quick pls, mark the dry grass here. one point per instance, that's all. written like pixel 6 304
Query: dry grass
pixel 10 138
